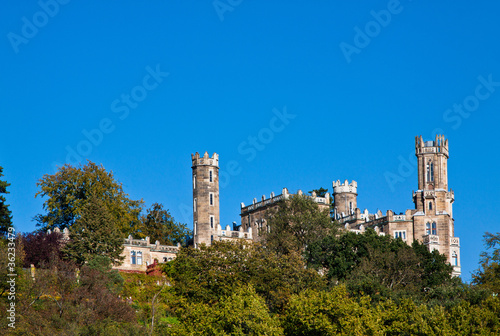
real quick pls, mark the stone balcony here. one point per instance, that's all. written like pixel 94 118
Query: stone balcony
pixel 431 239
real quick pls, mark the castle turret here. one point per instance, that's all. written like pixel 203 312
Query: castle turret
pixel 206 217
pixel 433 219
pixel 344 197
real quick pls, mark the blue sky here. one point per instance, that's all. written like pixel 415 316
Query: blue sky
pixel 140 85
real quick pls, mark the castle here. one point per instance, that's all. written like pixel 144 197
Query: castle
pixel 431 222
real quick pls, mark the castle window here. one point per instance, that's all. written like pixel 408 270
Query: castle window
pixel 400 234
pixel 195 228
pixel 211 222
pixel 430 205
pixel 139 258
pixel 194 182
pixel 194 205
pixel 454 258
pixel 211 179
pixel 350 207
pixel 132 258
pixel 211 198
pixel 428 228
pixel 430 171
pixel 434 229
pixel 211 238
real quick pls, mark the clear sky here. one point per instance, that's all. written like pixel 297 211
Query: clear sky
pixel 294 94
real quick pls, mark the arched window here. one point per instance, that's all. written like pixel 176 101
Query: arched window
pixel 434 229
pixel 430 205
pixel 428 228
pixel 194 181
pixel 454 258
pixel 194 205
pixel 195 228
pixel 132 258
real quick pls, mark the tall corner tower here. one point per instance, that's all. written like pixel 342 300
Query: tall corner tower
pixel 206 216
pixel 344 197
pixel 433 220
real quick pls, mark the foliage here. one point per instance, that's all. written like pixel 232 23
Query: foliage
pixel 61 300
pixel 488 276
pixel 40 247
pixel 295 224
pixel 69 190
pixel 209 273
pixel 5 213
pixel 94 233
pixel 242 312
pixel 378 265
pixel 159 225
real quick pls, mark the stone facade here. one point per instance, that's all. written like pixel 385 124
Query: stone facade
pixel 253 216
pixel 206 218
pixel 140 253
pixel 431 222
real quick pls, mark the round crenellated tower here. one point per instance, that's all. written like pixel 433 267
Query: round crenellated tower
pixel 344 197
pixel 206 216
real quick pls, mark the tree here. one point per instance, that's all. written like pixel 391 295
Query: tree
pixel 159 225
pixel 68 191
pixel 321 192
pixel 5 213
pixel 242 312
pixel 488 275
pixel 373 264
pixel 211 272
pixel 295 224
pixel 41 247
pixel 94 233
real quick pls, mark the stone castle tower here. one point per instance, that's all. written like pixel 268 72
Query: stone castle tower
pixel 206 218
pixel 344 197
pixel 433 201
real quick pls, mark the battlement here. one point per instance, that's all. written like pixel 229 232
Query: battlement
pixel 283 196
pixel 345 187
pixel 439 145
pixel 205 160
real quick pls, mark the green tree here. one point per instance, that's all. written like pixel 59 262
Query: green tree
pixel 159 225
pixel 242 312
pixel 94 233
pixel 488 275
pixel 373 264
pixel 69 190
pixel 211 272
pixel 5 213
pixel 321 192
pixel 295 224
